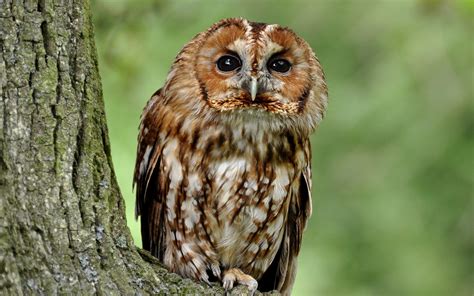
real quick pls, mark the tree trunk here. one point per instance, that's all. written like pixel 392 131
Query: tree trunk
pixel 62 218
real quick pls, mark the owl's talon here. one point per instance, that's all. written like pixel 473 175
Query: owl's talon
pixel 228 281
pixel 236 275
pixel 216 270
pixel 205 279
pixel 228 285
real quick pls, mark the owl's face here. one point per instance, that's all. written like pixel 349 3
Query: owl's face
pixel 246 67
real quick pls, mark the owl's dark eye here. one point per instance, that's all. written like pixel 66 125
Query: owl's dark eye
pixel 228 63
pixel 279 65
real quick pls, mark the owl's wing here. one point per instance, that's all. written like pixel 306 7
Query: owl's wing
pixel 149 196
pixel 281 273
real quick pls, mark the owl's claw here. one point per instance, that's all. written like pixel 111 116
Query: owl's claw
pixel 236 275
pixel 228 282
pixel 216 270
pixel 205 278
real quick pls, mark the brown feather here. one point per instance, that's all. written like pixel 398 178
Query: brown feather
pixel 224 180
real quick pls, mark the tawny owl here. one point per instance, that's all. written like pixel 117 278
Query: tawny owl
pixel 223 164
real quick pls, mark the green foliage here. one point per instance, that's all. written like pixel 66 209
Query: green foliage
pixel 393 159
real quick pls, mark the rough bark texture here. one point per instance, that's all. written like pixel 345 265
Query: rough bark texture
pixel 62 218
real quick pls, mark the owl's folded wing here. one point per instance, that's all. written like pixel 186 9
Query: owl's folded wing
pixel 149 196
pixel 281 273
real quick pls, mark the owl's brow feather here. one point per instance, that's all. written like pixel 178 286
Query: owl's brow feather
pixel 278 53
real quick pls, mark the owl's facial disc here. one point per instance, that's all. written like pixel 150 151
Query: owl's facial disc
pixel 249 66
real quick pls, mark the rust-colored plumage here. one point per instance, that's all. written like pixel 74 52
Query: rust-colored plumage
pixel 223 164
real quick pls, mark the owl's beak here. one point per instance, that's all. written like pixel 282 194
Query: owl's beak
pixel 253 88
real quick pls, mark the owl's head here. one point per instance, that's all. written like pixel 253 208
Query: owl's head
pixel 240 67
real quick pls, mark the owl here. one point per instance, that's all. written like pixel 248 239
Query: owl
pixel 223 169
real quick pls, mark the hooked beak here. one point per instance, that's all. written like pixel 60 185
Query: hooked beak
pixel 253 88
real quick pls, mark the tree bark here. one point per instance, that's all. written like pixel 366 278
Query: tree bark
pixel 62 218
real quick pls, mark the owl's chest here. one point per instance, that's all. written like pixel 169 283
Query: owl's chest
pixel 231 198
pixel 246 208
pixel 240 187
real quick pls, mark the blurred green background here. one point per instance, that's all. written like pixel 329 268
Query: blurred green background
pixel 392 160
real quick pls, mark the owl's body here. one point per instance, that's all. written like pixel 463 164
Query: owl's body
pixel 223 163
